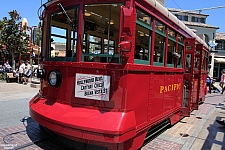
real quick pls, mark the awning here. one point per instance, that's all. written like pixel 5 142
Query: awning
pixel 219 60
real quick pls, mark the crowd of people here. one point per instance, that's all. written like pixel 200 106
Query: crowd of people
pixel 23 72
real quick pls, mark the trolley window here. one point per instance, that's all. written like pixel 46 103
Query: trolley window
pixel 101 28
pixel 142 38
pixel 171 49
pixel 180 39
pixel 181 53
pixel 159 47
pixel 63 35
pixel 159 50
pixel 160 27
pixel 171 34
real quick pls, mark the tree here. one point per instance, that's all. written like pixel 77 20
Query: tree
pixel 38 35
pixel 13 35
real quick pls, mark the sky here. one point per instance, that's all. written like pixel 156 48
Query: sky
pixel 28 9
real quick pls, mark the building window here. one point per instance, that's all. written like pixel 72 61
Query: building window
pixel 196 19
pixel 180 17
pixel 220 45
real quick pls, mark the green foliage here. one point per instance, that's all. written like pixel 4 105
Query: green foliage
pixel 13 35
pixel 38 36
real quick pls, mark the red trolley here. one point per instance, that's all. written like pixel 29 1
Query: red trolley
pixel 113 69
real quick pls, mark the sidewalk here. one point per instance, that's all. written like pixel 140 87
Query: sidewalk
pixel 200 131
pixel 13 91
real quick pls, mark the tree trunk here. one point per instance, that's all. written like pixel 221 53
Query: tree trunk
pixel 13 61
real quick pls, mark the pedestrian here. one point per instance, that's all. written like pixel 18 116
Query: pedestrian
pixel 7 67
pixel 222 79
pixel 209 83
pixel 27 72
pixel 21 71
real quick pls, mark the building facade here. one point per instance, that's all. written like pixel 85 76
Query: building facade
pixel 197 23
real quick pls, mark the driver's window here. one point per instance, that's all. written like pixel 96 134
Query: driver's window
pixel 63 35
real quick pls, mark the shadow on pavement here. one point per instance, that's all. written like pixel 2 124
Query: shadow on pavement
pixel 37 136
pixel 215 139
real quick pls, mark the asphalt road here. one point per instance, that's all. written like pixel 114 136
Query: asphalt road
pixel 14 102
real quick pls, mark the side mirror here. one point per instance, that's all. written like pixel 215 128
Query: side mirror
pixel 125 46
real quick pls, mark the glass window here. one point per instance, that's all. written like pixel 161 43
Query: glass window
pixel 142 48
pixel 159 48
pixel 160 27
pixel 180 39
pixel 196 19
pixel 63 40
pixel 184 18
pixel 171 49
pixel 188 63
pixel 95 44
pixel 109 46
pixel 197 63
pixel 171 33
pixel 101 27
pixel 58 44
pixel 143 17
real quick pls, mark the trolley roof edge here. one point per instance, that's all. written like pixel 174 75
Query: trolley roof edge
pixel 167 13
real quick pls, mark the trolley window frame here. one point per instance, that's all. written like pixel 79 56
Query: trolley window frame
pixel 149 28
pixel 109 57
pixel 68 39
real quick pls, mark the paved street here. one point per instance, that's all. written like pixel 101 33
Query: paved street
pixel 14 100
pixel 200 131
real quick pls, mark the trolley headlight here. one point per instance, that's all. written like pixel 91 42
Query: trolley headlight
pixel 55 78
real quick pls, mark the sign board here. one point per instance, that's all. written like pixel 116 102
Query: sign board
pixel 91 86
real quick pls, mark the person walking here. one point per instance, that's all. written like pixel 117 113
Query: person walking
pixel 27 72
pixel 21 71
pixel 209 83
pixel 222 79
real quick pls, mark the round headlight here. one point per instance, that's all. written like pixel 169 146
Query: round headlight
pixel 55 78
pixel 52 78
